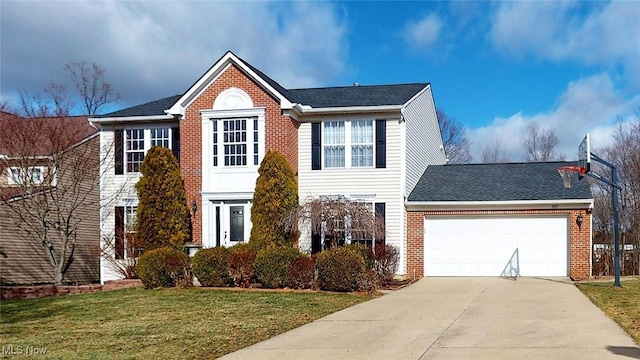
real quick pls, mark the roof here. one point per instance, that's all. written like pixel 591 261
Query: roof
pixel 497 182
pixel 372 95
pixel 41 136
pixel 156 107
pixel 325 97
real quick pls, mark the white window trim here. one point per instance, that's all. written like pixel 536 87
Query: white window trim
pixel 11 180
pixel 348 145
pixel 147 142
pixel 207 118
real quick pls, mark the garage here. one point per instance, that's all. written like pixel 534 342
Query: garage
pixel 496 246
pixel 506 219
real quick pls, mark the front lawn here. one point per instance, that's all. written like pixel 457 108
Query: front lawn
pixel 160 324
pixel 620 304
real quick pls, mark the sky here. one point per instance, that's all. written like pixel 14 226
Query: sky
pixel 572 67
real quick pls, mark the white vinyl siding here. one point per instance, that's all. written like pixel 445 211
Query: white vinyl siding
pixel 378 185
pixel 424 142
pixel 115 190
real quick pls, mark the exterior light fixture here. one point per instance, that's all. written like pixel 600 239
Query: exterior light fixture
pixel 194 207
pixel 579 220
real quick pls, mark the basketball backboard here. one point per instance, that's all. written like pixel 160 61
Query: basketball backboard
pixel 584 154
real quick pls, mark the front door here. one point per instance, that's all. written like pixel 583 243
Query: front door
pixel 236 223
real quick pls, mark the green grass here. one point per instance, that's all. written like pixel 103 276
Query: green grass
pixel 620 304
pixel 160 324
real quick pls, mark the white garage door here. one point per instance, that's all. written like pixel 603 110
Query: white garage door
pixel 496 246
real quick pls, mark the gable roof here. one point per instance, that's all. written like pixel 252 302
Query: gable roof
pixel 496 182
pixel 324 97
pixel 343 96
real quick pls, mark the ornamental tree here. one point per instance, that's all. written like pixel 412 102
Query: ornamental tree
pixel 275 196
pixel 163 215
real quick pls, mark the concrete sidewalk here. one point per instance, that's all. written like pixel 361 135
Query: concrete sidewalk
pixel 459 318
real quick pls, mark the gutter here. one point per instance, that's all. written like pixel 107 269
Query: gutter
pixel 499 205
pixel 123 119
pixel 298 110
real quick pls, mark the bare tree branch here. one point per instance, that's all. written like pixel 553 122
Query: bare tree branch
pixel 494 153
pixel 91 85
pixel 454 138
pixel 337 219
pixel 539 145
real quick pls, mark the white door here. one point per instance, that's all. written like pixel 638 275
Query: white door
pixel 496 246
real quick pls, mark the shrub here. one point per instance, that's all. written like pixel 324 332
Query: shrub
pixel 163 215
pixel 241 264
pixel 368 281
pixel 164 267
pixel 302 273
pixel 366 253
pixel 386 258
pixel 210 266
pixel 276 194
pixel 339 269
pixel 272 266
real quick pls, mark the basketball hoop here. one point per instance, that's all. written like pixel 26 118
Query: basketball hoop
pixel 566 173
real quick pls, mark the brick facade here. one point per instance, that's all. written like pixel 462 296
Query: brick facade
pixel 579 244
pixel 280 132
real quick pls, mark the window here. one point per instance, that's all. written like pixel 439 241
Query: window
pixel 333 143
pixel 125 243
pixel 361 143
pixel 26 176
pixel 160 137
pixel 135 149
pixel 346 221
pixel 237 143
pixel 345 144
pixel 138 141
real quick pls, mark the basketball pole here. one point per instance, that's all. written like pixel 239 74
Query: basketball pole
pixel 616 217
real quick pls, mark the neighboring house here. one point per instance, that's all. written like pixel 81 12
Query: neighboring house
pixel 499 219
pixel 27 173
pixel 370 144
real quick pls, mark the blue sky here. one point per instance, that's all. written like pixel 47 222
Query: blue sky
pixel 494 66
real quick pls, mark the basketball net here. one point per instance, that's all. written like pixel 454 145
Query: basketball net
pixel 567 172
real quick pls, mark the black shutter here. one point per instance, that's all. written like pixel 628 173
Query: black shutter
pixel 175 142
pixel 380 210
pixel 119 152
pixel 118 243
pixel 316 147
pixel 381 144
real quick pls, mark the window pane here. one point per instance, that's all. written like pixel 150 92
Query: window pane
pixel 234 140
pixel 334 148
pixel 361 143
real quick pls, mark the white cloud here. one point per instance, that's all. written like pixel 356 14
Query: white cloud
pixel 605 34
pixel 424 32
pixel 589 105
pixel 156 49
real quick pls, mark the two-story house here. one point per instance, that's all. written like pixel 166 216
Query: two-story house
pixel 380 145
pixel 365 143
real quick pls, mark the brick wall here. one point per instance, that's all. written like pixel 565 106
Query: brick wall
pixel 280 133
pixel 579 244
pixel 38 291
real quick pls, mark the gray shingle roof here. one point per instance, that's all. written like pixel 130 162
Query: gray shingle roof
pixel 156 107
pixel 372 95
pixel 497 182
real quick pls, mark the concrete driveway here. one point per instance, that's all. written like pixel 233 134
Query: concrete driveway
pixel 459 318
